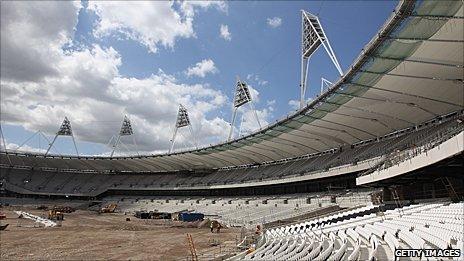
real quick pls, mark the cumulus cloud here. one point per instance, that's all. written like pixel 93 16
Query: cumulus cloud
pixel 224 31
pixel 202 68
pixel 295 104
pixel 152 23
pixel 85 85
pixel 256 78
pixel 274 22
pixel 24 148
pixel 29 42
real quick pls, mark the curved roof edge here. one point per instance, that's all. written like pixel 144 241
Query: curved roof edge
pixel 403 9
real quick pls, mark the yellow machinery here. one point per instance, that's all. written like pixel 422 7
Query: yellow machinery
pixel 109 208
pixel 55 215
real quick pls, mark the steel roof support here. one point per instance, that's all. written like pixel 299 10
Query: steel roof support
pixel 426 39
pixel 414 76
pixel 418 61
pixel 368 111
pixel 406 94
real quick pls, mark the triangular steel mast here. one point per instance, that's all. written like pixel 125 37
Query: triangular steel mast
pixel 126 130
pixel 324 83
pixel 65 130
pixel 4 144
pixel 182 120
pixel 312 36
pixel 242 97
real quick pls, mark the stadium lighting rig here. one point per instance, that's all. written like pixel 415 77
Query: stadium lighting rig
pixel 65 130
pixel 312 37
pixel 182 120
pixel 242 97
pixel 126 130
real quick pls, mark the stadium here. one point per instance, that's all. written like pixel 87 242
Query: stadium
pixel 371 166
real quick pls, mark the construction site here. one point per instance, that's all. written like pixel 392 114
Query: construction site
pixel 368 167
pixel 107 233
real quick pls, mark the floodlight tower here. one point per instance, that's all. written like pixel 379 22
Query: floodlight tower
pixel 126 130
pixel 312 36
pixel 242 97
pixel 182 120
pixel 65 130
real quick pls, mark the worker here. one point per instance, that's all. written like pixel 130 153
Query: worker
pixel 258 230
pixel 212 226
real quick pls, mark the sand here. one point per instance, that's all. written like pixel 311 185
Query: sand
pixel 86 235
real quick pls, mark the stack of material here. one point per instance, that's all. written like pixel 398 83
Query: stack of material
pixel 44 221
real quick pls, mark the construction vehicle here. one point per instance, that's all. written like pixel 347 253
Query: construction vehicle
pixel 55 215
pixel 110 208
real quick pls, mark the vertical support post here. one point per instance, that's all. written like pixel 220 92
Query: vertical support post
pixel 234 114
pixel 4 144
pixel 240 126
pixel 173 139
pixel 75 147
pixel 193 136
pixel 51 144
pixel 115 146
pixel 135 144
pixel 302 72
pixel 255 113
pixel 3 137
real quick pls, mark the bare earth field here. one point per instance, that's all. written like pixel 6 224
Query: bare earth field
pixel 86 235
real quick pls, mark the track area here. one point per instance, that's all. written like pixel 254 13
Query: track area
pixel 86 235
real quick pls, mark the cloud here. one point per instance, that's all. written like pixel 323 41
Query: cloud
pixel 29 42
pixel 25 148
pixel 202 68
pixel 85 85
pixel 274 22
pixel 294 104
pixel 256 78
pixel 225 34
pixel 152 23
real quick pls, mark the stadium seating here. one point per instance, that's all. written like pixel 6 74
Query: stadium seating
pixel 360 236
pixel 90 184
pixel 241 211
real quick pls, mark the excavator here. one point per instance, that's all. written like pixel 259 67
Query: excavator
pixel 110 208
pixel 54 214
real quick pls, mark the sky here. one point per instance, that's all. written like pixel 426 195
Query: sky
pixel 94 62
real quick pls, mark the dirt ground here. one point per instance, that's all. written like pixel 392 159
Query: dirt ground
pixel 86 235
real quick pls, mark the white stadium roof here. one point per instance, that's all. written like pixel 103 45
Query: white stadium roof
pixel 410 72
